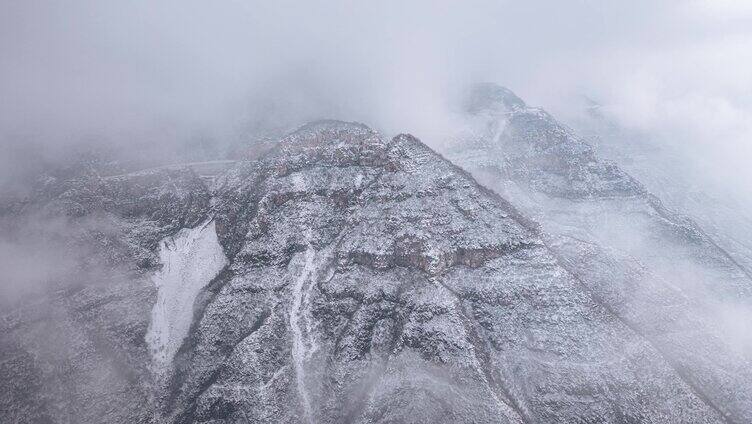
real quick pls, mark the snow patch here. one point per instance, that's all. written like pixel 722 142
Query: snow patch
pixel 298 182
pixel 190 260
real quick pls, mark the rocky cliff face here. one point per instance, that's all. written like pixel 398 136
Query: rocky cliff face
pixel 75 350
pixel 657 270
pixel 344 277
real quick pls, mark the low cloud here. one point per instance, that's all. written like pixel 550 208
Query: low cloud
pixel 163 73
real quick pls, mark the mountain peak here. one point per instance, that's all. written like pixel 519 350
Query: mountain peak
pixel 491 96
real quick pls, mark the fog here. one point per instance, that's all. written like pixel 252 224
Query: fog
pixel 161 77
pixel 163 72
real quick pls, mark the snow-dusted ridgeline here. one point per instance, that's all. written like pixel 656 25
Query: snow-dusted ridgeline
pixel 190 260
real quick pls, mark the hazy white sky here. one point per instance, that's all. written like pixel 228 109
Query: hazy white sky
pixel 115 70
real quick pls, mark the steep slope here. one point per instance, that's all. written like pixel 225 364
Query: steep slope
pixel 682 181
pixel 373 281
pixel 343 278
pixel 658 271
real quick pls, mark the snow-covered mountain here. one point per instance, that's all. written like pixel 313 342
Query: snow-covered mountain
pixel 339 276
pixel 657 270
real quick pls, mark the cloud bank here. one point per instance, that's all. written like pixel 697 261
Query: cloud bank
pixel 161 72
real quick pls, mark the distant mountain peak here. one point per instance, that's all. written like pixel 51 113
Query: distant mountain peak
pixel 491 96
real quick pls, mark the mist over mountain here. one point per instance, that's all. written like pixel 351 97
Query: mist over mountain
pixel 250 212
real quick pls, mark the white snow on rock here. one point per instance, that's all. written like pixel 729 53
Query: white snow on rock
pixel 190 260
pixel 300 350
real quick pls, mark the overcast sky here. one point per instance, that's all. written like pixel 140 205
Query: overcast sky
pixel 131 70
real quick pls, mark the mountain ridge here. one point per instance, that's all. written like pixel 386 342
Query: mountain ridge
pixel 368 280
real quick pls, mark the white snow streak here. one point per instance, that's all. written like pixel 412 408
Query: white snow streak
pixel 190 260
pixel 299 325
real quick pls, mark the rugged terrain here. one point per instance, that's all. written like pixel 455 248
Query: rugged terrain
pixel 341 276
pixel 657 270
